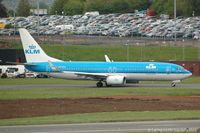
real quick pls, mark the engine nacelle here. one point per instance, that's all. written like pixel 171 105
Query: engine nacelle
pixel 115 80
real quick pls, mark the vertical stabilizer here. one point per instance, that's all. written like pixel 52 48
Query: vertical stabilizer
pixel 33 52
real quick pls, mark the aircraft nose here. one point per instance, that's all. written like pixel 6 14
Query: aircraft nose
pixel 188 73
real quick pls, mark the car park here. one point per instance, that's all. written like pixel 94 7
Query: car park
pixel 129 24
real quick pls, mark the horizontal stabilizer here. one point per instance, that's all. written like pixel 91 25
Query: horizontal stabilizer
pixel 17 63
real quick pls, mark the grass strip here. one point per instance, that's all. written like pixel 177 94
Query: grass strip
pixel 104 117
pixel 93 92
pixel 33 81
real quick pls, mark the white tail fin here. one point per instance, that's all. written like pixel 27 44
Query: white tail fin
pixel 33 52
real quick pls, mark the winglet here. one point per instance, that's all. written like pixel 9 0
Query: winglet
pixel 107 59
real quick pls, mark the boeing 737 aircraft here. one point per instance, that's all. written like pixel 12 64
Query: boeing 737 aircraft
pixel 110 73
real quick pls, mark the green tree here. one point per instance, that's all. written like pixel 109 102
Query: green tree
pixel 42 5
pixel 23 8
pixel 3 11
pixel 115 6
pixel 11 13
pixel 196 7
pixel 158 6
pixel 97 5
pixel 184 7
pixel 73 7
pixel 169 7
pixel 121 6
pixel 137 5
pixel 58 7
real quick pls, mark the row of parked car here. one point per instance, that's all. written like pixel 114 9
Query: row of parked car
pixel 130 24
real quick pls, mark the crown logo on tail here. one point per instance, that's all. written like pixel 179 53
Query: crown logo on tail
pixel 32 46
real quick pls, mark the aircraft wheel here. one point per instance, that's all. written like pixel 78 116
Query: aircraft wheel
pixel 173 84
pixel 99 84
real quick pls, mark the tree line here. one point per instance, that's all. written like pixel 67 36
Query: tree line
pixel 73 7
pixel 185 8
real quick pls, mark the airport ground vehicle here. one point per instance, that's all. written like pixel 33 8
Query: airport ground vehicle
pixel 11 71
pixel 16 71
pixel 1 72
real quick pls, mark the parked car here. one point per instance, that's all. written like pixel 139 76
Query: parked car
pixel 42 76
pixel 93 23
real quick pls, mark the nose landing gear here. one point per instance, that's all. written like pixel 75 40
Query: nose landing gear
pixel 173 84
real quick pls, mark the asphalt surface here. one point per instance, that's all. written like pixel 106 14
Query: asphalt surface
pixel 116 127
pixel 57 86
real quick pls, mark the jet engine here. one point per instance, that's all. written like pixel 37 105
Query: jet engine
pixel 115 80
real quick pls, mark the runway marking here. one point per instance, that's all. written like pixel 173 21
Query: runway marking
pixel 93 131
pixel 106 123
pixel 123 130
pixel 116 127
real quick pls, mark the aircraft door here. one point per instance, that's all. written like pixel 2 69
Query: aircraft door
pixel 48 69
pixel 168 69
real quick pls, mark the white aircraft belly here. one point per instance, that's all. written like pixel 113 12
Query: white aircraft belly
pixel 150 77
pixel 129 76
pixel 63 75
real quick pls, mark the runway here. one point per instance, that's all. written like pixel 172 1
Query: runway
pixel 60 86
pixel 115 127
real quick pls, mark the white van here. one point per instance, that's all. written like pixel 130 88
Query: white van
pixel 14 71
pixel 11 71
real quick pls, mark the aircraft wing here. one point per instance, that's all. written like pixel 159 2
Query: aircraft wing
pixel 89 75
pixel 98 76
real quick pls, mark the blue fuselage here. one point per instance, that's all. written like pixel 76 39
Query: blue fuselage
pixel 111 67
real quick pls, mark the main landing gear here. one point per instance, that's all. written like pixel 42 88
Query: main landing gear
pixel 99 84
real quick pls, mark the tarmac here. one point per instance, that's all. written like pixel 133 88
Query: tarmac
pixel 114 127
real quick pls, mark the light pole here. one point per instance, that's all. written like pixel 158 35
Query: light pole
pixel 141 53
pixel 175 21
pixel 63 20
pixel 14 15
pixel 38 23
pixel 127 50
pixel 199 51
pixel 63 13
pixel 63 27
pixel 193 13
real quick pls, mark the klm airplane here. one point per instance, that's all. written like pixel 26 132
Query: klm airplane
pixel 108 73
